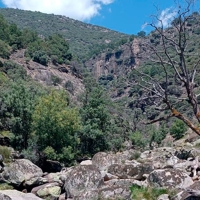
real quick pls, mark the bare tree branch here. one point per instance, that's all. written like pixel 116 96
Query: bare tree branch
pixel 171 53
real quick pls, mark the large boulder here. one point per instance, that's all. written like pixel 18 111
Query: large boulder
pixel 127 171
pixel 103 160
pixel 81 178
pixel 16 195
pixel 20 171
pixel 169 178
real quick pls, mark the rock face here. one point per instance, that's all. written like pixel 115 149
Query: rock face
pixel 16 195
pixel 82 178
pixel 169 178
pixel 46 75
pixel 112 62
pixel 19 171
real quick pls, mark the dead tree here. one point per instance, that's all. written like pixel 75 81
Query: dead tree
pixel 172 53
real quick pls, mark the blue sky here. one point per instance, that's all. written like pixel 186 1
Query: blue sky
pixel 125 16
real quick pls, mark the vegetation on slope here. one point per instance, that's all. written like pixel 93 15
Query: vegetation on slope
pixel 84 39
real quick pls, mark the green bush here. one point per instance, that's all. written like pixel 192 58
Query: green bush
pixel 67 155
pixel 56 80
pixel 40 57
pixel 138 193
pixel 50 153
pixel 31 153
pixel 137 139
pixel 69 86
pixel 178 129
pixel 6 186
pixel 5 50
pixel 6 153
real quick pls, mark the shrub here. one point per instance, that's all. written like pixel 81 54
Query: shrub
pixel 6 186
pixel 178 129
pixel 50 153
pixel 5 50
pixel 69 86
pixel 137 139
pixel 139 193
pixel 55 80
pixel 40 57
pixel 135 155
pixel 6 153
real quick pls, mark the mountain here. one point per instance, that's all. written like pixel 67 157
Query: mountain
pixel 84 39
pixel 114 90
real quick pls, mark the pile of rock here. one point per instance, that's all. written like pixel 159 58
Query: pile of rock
pixel 106 176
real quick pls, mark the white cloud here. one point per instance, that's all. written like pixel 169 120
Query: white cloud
pixel 166 17
pixel 76 9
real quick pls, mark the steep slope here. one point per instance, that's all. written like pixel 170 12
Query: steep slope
pixel 84 39
pixel 60 76
pixel 117 63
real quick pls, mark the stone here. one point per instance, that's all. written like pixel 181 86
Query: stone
pixel 126 171
pixel 169 178
pixel 62 197
pixel 82 178
pixel 125 182
pixel 116 192
pixel 49 190
pixel 54 177
pixel 163 197
pixel 103 160
pixel 86 162
pixel 35 181
pixel 187 193
pixel 16 195
pixel 88 195
pixel 109 176
pixel 19 171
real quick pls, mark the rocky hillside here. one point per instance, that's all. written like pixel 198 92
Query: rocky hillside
pixel 117 63
pixel 64 76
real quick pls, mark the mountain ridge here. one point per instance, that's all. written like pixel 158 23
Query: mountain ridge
pixel 82 37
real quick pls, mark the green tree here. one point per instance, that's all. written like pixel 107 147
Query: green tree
pixel 40 57
pixel 141 34
pixel 58 48
pixel 18 100
pixel 95 122
pixel 55 123
pixel 5 50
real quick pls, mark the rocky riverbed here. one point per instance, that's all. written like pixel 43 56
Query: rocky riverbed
pixel 108 176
